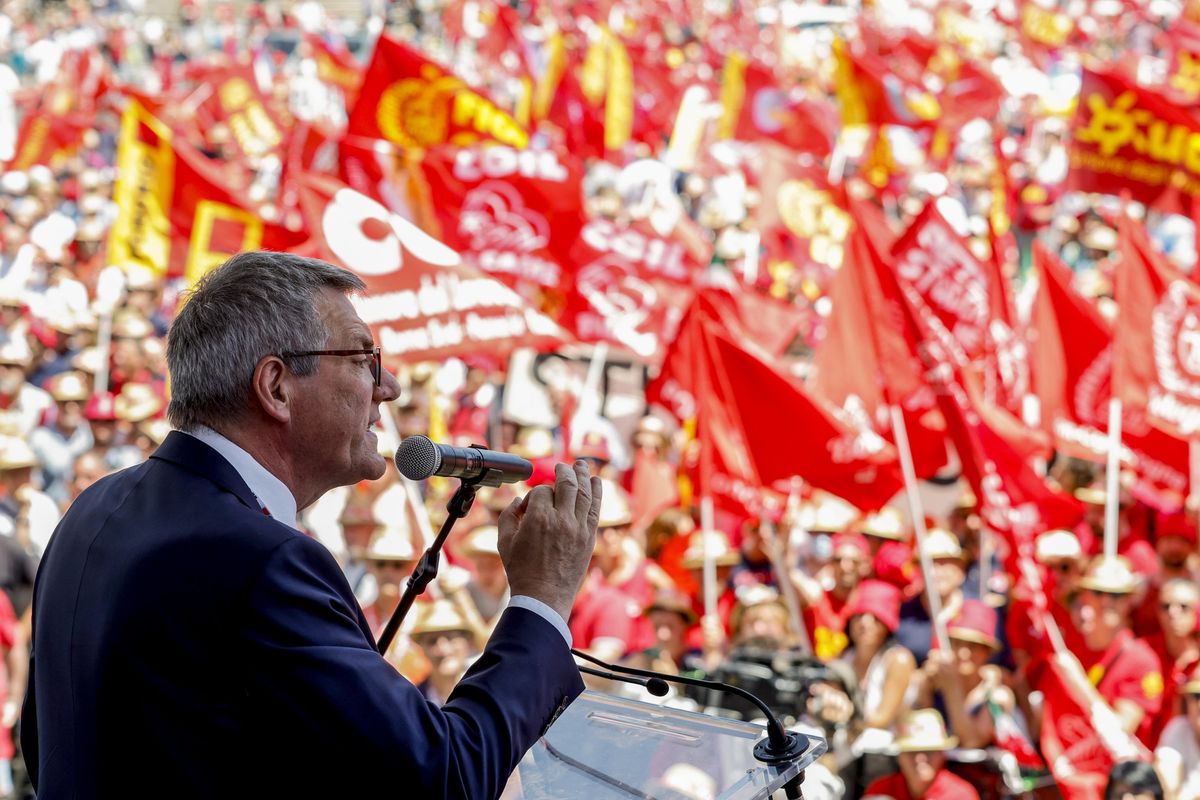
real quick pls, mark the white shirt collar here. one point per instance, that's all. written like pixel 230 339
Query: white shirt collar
pixel 271 492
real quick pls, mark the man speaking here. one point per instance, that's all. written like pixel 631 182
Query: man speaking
pixel 188 641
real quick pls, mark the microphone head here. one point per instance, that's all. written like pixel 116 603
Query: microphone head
pixel 657 687
pixel 418 457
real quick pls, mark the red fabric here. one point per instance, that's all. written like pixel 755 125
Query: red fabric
pixel 603 611
pixel 1175 674
pixel 1155 361
pixel 1118 135
pixel 429 305
pixel 879 599
pixel 512 214
pixel 865 374
pixel 1073 379
pixel 1135 675
pixel 410 101
pixel 894 564
pixel 825 622
pixel 945 786
pixel 758 107
pixel 653 487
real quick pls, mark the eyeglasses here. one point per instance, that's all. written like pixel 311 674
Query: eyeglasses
pixel 374 352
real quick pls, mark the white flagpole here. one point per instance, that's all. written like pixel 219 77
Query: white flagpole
pixel 1112 478
pixel 917 513
pixel 777 546
pixel 710 556
pixel 589 398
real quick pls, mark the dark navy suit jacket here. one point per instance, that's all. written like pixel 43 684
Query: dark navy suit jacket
pixel 185 645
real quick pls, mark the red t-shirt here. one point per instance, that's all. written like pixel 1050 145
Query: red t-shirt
pixel 603 612
pixel 946 786
pixel 894 564
pixel 1175 675
pixel 825 622
pixel 1127 670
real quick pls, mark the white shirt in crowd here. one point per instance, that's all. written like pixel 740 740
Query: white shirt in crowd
pixel 1177 758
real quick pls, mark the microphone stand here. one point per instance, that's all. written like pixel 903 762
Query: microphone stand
pixel 427 568
pixel 780 747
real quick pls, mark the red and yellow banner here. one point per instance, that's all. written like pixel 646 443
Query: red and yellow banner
pixel 412 102
pixel 175 216
pixel 1127 138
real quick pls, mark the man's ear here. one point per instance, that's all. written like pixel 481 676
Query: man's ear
pixel 271 388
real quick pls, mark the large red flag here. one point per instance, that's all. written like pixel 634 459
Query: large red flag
pixel 869 358
pixel 423 302
pixel 1073 356
pixel 175 215
pixel 761 425
pixel 757 107
pixel 1130 139
pixel 514 214
pixel 965 301
pixel 410 101
pixel 257 125
pixel 1157 358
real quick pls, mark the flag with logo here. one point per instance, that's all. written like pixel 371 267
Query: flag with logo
pixel 175 216
pixel 422 303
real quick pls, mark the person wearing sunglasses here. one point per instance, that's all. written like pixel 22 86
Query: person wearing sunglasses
pixel 189 641
pixel 1177 644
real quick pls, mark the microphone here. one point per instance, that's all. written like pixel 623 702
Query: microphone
pixel 418 458
pixel 655 686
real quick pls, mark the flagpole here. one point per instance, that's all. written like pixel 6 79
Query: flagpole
pixel 777 548
pixel 1112 478
pixel 707 525
pixel 588 407
pixel 918 520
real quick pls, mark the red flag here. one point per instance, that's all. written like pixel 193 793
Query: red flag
pixel 756 107
pixel 336 66
pixel 423 303
pixel 763 427
pixel 49 138
pixel 1157 357
pixel 872 92
pixel 256 125
pixel 869 358
pixel 513 214
pixel 175 214
pixel 631 286
pixel 410 101
pixel 964 302
pixel 1127 138
pixel 1073 354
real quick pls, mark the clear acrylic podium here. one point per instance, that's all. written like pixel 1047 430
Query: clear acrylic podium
pixel 609 747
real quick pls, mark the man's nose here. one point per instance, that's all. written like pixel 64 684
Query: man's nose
pixel 388 388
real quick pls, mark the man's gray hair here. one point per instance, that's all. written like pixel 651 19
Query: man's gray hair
pixel 255 304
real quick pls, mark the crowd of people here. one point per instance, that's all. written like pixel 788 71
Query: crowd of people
pixel 925 684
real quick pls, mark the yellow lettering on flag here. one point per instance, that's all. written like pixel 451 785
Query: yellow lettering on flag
pixel 618 102
pixel 733 94
pixel 145 184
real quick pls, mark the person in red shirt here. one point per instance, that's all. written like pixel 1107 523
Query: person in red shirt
pixel 891 554
pixel 825 612
pixel 1176 644
pixel 1112 671
pixel 1060 559
pixel 923 775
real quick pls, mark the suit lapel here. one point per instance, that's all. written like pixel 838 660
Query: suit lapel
pixel 195 456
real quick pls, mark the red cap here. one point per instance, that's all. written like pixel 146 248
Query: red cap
pixel 101 407
pixel 594 445
pixel 976 622
pixel 880 600
pixel 854 541
pixel 1178 525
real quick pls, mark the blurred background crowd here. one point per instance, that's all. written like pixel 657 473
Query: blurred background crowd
pixel 940 681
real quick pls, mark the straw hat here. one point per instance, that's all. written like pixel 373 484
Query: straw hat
pixel 885 524
pixel 15 351
pixel 129 324
pixel 68 386
pixel 924 731
pixel 484 540
pixel 136 402
pixel 723 554
pixel 1109 575
pixel 614 506
pixel 829 514
pixel 439 616
pixel 941 543
pixel 16 454
pixel 675 601
pixel 90 359
pixel 156 429
pixel 976 622
pixel 650 429
pixel 390 544
pixel 139 278
pixel 966 499
pixel 1057 545
pixel 534 442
